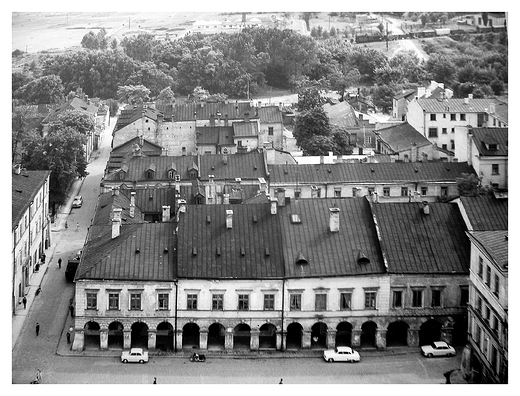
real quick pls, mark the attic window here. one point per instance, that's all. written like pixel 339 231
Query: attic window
pixel 362 258
pixel 300 259
pixel 493 147
pixel 165 250
pixel 255 218
pixel 194 251
pixel 296 219
pixel 242 251
pixel 137 250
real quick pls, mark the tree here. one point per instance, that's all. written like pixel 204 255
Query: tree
pixel 167 95
pixel 79 120
pixel 307 16
pixel 342 80
pixel 133 94
pixel 485 18
pixel 46 89
pixel 309 98
pixel 310 123
pixel 141 47
pixel 468 185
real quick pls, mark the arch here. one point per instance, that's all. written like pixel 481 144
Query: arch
pixel 368 334
pixel 139 335
pixel 397 334
pixel 115 335
pixel 216 336
pixel 190 335
pixel 319 335
pixel 267 337
pixel 429 332
pixel 91 334
pixel 242 336
pixel 344 334
pixel 164 337
pixel 460 331
pixel 294 336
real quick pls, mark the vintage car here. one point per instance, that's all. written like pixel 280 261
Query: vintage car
pixel 438 348
pixel 341 354
pixel 78 201
pixel 134 355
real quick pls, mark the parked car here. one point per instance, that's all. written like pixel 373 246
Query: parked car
pixel 438 348
pixel 78 201
pixel 341 354
pixel 135 355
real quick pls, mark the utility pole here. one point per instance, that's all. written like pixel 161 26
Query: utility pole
pixel 387 36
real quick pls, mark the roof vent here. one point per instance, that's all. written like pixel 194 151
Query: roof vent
pixel 242 251
pixel 300 259
pixel 194 251
pixel 329 170
pixel 208 219
pixel 426 208
pixel 218 251
pixel 137 250
pixel 267 253
pixel 372 170
pixel 255 218
pixel 362 258
pixel 285 171
pixel 165 250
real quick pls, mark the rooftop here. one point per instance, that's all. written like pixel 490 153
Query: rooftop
pixel 495 244
pixel 491 141
pixel 25 186
pixel 486 213
pixel 402 137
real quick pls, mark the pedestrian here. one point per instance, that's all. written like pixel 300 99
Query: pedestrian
pixel 37 329
pixel 43 258
pixel 68 337
pixel 24 301
pixel 154 380
pixel 281 381
pixel 71 309
pixel 59 262
pixel 77 227
pixel 39 376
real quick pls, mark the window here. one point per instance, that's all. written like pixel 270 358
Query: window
pixel 91 300
pixel 239 143
pixel 444 147
pixel 480 267
pixel 488 276
pixel 424 190
pixel 354 192
pixel 477 336
pixel 297 193
pixel 487 313
pixel 444 131
pixel 370 299
pixel 406 158
pixel 404 191
pixel 452 144
pixel 444 191
pixel 494 359
pixel 320 303
pixel 171 174
pixel 494 169
pixel 149 174
pixel 494 325
pixel 270 131
pixel 113 300
pixel 318 193
pixel 433 117
pixel 478 306
pixel 296 302
pixel 432 132
pixel 397 299
pixel 436 298
pixel 453 117
pixel 243 302
pixel 268 302
pixel 345 301
pixel 386 191
pixel 452 130
pixel 497 285
pixel 217 302
pixel 191 302
pixel 463 117
pixel 337 192
pixel 135 301
pixel 417 298
pixel 163 301
pixel 368 139
pixel 371 190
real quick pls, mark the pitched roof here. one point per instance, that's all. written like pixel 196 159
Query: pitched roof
pixel 341 114
pixel 251 249
pixel 72 104
pixel 151 200
pixel 25 186
pixel 486 213
pixel 405 94
pixel 199 111
pixel 483 137
pixel 495 243
pixel 242 128
pixel 501 109
pixel 215 135
pixel 106 204
pixel 362 172
pixel 453 105
pixel 247 166
pixel 329 253
pixel 133 113
pixel 118 258
pixel 270 114
pixel 417 243
pixel 401 137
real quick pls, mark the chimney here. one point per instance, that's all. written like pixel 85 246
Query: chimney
pixel 211 179
pixel 116 222
pixel 270 153
pixel 448 92
pixel 165 214
pixel 115 191
pixel 263 184
pixel 420 92
pixel 426 208
pixel 226 199
pixel 274 203
pixel 470 96
pixel 334 219
pixel 280 193
pixel 280 106
pixel 141 140
pixel 132 204
pixel 466 100
pixel 201 104
pixel 229 218
pixel 322 159
pixel 182 206
pixel 246 116
pixel 340 159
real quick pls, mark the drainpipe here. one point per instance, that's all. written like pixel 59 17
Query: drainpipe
pixel 283 310
pixel 175 328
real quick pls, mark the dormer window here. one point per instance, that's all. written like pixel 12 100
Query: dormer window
pixel 171 174
pixel 493 147
pixel 149 174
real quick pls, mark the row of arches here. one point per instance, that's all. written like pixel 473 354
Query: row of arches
pixel 397 334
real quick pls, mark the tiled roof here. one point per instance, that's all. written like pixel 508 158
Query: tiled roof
pixel 217 135
pixel 362 172
pixel 329 253
pixel 453 105
pixel 341 114
pixel 251 249
pixel 138 253
pixel 107 202
pixel 124 152
pixel 270 114
pixel 417 243
pixel 126 147
pixel 234 111
pixel 495 243
pixel 245 129
pixel 137 167
pixel 132 114
pixel 498 136
pixel 25 186
pixel 486 213
pixel 400 137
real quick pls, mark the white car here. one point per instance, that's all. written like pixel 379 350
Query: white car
pixel 78 201
pixel 438 348
pixel 341 354
pixel 135 355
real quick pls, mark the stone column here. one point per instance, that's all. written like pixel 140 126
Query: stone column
pixel 178 340
pixel 103 339
pixel 306 339
pixel 284 341
pixel 79 340
pixel 255 340
pixel 151 339
pixel 228 343
pixel 331 339
pixel 413 337
pixel 203 339
pixel 356 337
pixel 127 339
pixel 381 338
pixel 279 341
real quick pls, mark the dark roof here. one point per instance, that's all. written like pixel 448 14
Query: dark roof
pixel 242 128
pixel 251 249
pixel 147 146
pixel 486 213
pixel 400 137
pixel 186 112
pixel 137 167
pixel 501 109
pixel 118 259
pixel 406 94
pixel 72 104
pixel 25 186
pixel 151 200
pixel 486 136
pixel 341 114
pixel 417 243
pixel 453 105
pixel 247 166
pixel 270 114
pixel 133 113
pixel 362 172
pixel 107 202
pixel 215 135
pixel 329 253
pixel 123 152
pixel 495 243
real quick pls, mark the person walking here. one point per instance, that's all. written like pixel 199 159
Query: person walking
pixel 37 329
pixel 68 337
pixel 71 309
pixel 59 263
pixel 155 380
pixel 24 301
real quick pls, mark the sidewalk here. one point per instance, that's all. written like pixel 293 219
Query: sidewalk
pixel 37 277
